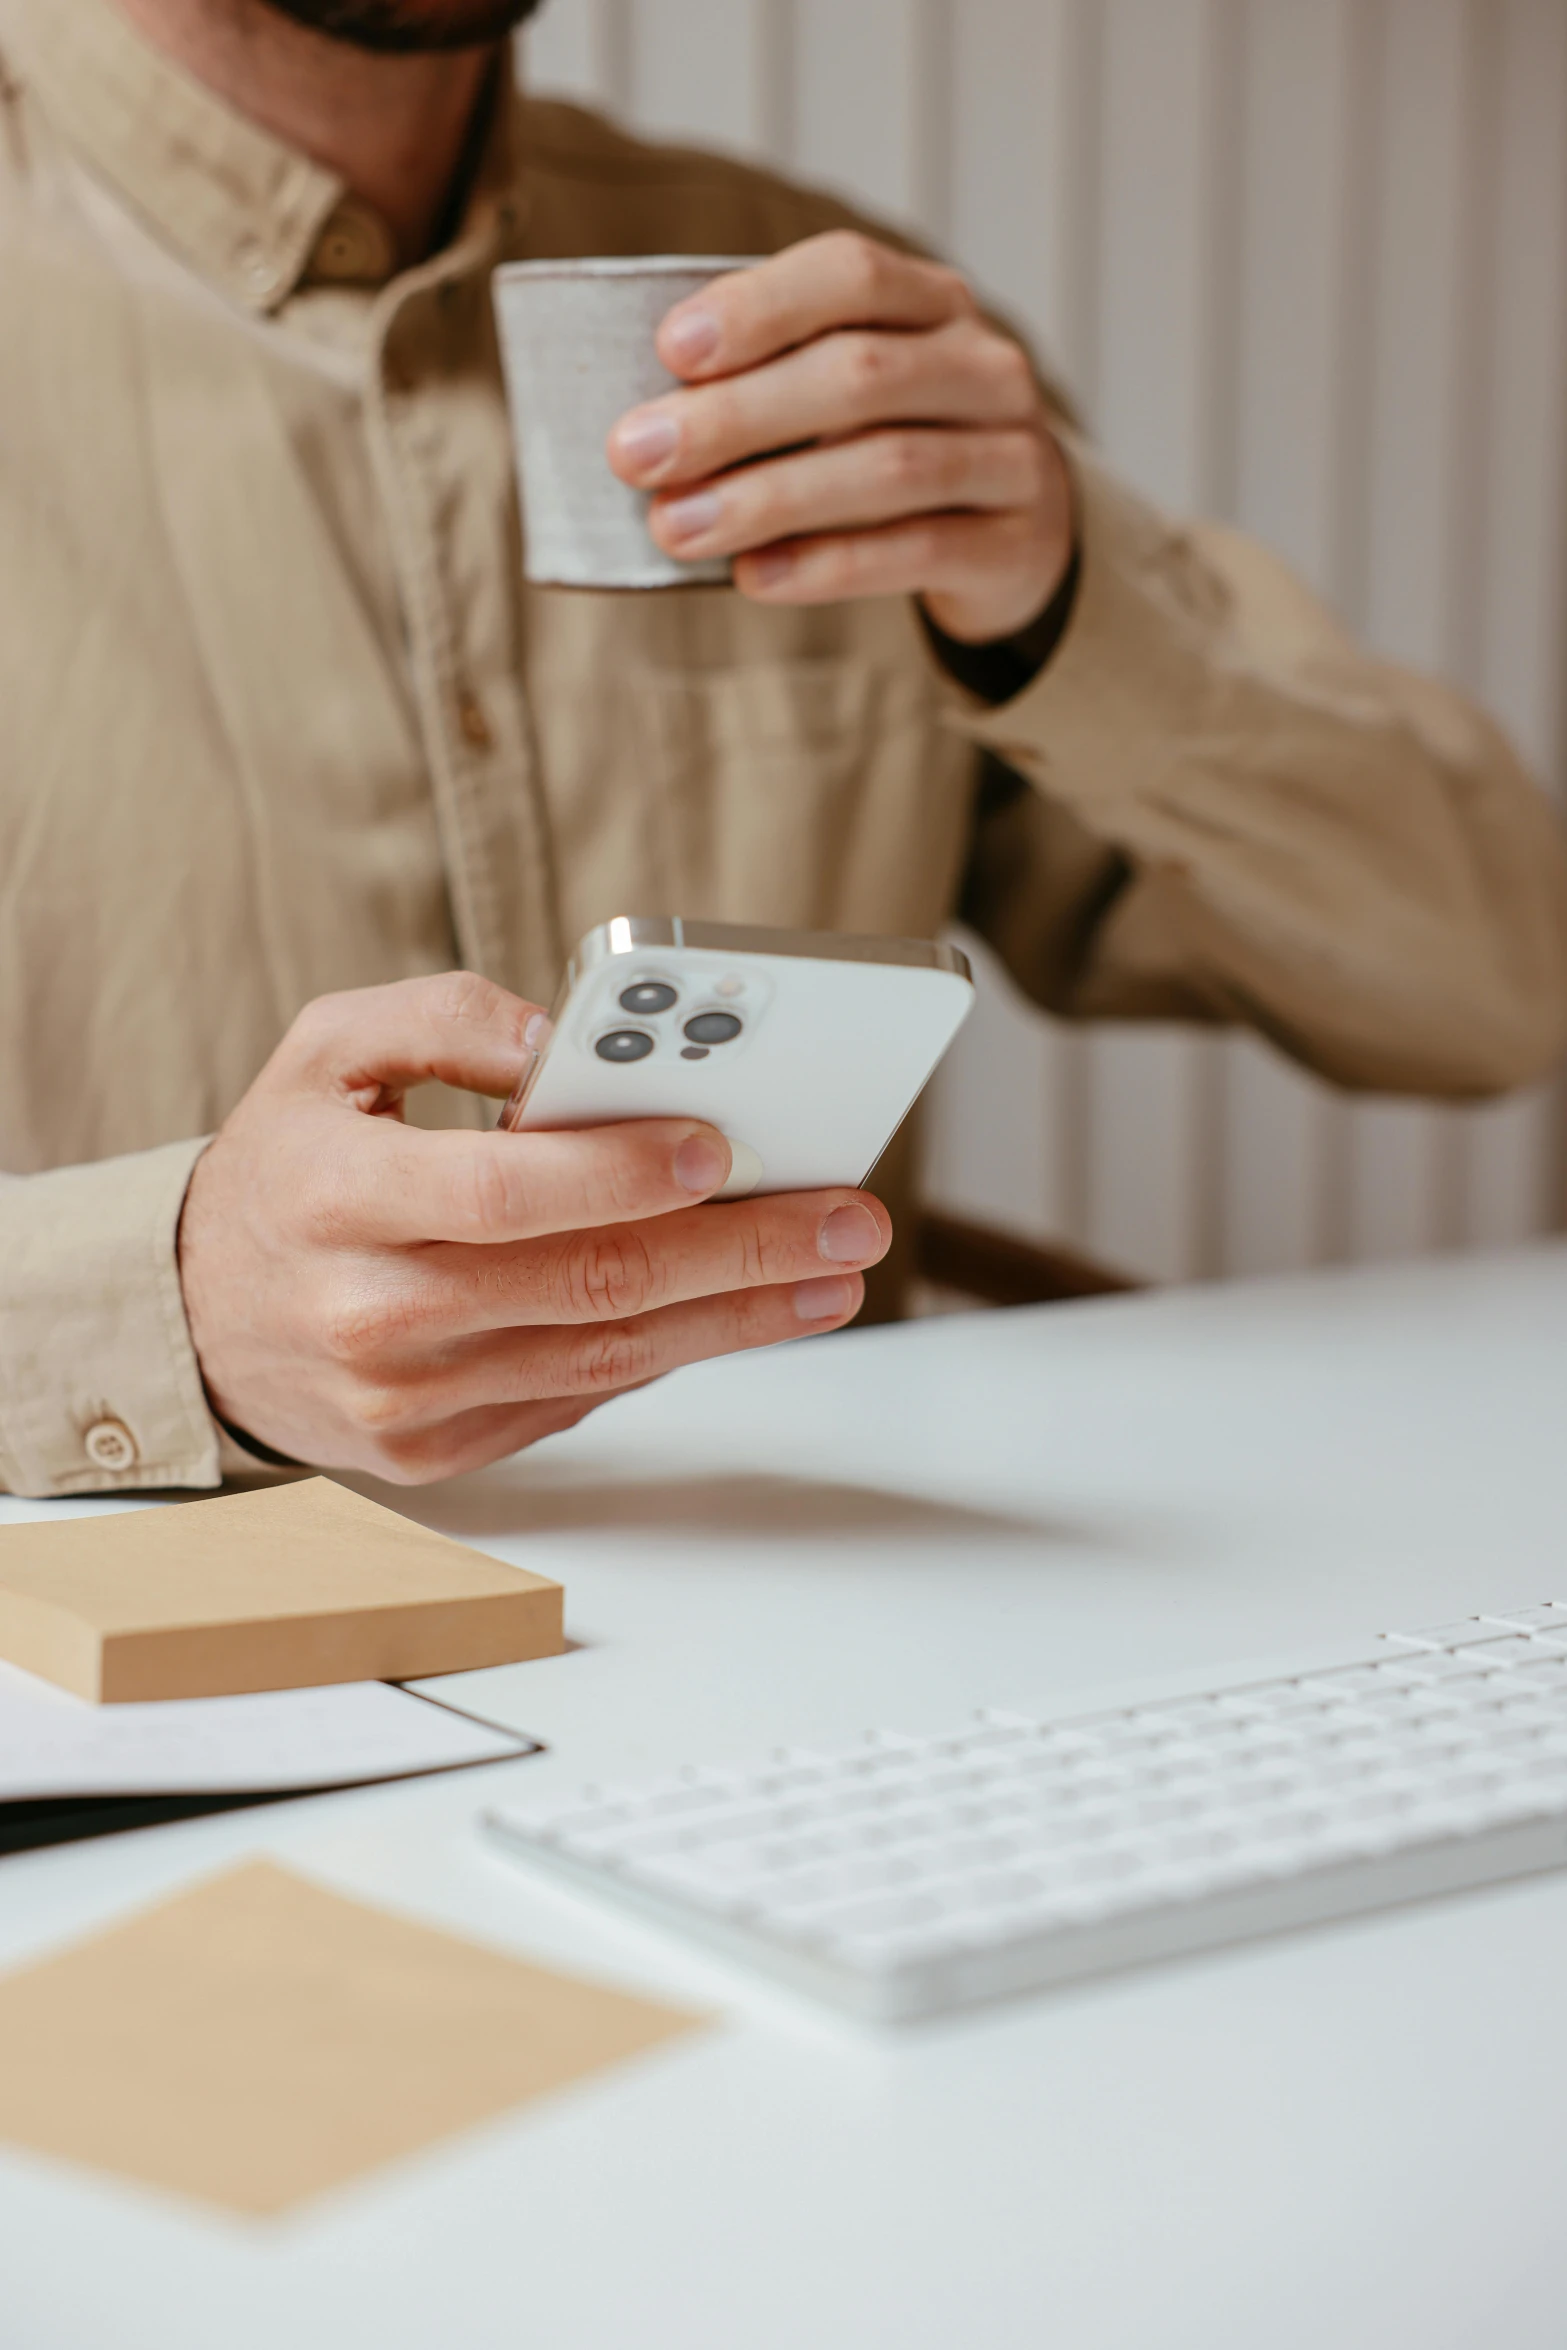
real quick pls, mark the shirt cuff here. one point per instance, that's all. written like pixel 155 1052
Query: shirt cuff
pixel 998 672
pixel 100 1391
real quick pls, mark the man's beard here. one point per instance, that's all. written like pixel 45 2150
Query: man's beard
pixel 410 25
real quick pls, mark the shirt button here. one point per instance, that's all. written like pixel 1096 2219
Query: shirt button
pixel 475 726
pixel 110 1445
pixel 256 266
pixel 355 248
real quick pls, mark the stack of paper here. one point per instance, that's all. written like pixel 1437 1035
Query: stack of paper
pixel 53 1745
pixel 298 1586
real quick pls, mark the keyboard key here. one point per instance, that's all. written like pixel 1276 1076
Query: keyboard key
pixel 1472 1632
pixel 1438 1665
pixel 1552 1615
pixel 1510 1648
pixel 1362 1680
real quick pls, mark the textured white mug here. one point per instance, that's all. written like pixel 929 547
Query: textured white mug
pixel 578 344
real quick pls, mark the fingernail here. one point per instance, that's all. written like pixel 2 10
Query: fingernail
pixel 693 518
pixel 823 1301
pixel 849 1236
pixel 700 1165
pixel 772 568
pixel 533 1034
pixel 648 440
pixel 689 337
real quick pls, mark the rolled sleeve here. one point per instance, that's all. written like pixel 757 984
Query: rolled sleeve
pixel 1266 824
pixel 100 1391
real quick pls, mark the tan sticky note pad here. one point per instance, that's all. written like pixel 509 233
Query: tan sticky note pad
pixel 259 2039
pixel 290 1588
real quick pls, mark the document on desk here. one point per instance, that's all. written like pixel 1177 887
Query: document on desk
pixel 54 1745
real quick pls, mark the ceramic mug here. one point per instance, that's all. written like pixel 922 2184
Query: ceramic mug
pixel 579 347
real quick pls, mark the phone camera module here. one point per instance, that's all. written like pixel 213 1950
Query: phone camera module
pixel 713 1028
pixel 624 1044
pixel 647 998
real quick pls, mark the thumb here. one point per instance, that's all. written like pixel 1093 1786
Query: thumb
pixel 457 1029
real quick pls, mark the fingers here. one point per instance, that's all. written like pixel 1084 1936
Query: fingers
pixel 516 1368
pixel 846 485
pixel 982 577
pixel 846 382
pixel 450 1448
pixel 625 1270
pixel 399 1187
pixel 376 1042
pixel 839 279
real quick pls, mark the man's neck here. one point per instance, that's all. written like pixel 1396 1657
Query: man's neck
pixel 395 129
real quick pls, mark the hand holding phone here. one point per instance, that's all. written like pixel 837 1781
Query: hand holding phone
pixel 364 1295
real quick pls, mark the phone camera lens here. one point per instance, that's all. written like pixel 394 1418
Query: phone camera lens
pixel 624 1044
pixel 713 1028
pixel 647 997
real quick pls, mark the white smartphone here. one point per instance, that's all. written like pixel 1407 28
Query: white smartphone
pixel 806 1050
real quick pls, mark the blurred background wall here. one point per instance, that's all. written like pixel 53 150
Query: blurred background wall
pixel 1304 263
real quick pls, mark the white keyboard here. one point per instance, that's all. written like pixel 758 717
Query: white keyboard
pixel 900 1875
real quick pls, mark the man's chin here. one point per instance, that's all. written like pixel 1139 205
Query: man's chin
pixel 408 26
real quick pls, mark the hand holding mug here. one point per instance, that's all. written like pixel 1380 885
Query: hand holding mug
pixel 849 424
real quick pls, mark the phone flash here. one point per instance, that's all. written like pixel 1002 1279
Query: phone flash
pixel 730 986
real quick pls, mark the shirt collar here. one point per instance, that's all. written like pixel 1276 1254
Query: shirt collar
pixel 246 211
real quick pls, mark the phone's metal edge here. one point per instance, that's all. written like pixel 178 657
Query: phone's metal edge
pixel 638 934
pixel 510 1119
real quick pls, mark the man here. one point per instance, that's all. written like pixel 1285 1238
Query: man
pixel 284 738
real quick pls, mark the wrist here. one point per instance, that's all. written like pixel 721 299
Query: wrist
pixel 998 671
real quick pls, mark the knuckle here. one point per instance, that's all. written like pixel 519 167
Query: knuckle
pixel 317 1025
pixel 467 999
pixel 358 1323
pixel 867 368
pixel 609 1359
pixel 715 422
pixel 317 1207
pixel 407 1456
pixel 770 1256
pixel 386 1411
pixel 1009 368
pixel 626 1180
pixel 860 259
pixel 483 1191
pixel 608 1276
pixel 763 1258
pixel 909 465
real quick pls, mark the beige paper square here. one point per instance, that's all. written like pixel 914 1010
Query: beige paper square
pixel 259 2039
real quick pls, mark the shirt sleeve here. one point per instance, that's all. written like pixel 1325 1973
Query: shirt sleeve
pixel 99 1386
pixel 1236 815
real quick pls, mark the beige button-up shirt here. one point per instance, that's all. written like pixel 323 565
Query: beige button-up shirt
pixel 278 714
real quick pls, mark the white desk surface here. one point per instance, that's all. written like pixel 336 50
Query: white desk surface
pixel 1352 2137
